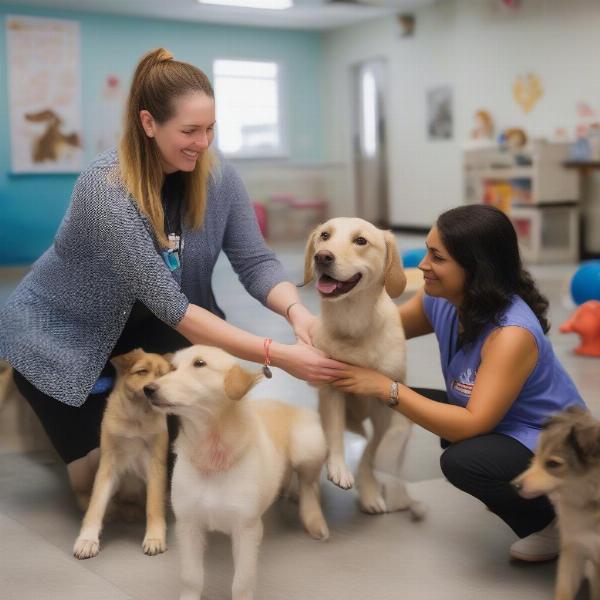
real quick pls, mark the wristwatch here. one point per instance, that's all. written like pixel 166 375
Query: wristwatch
pixel 393 399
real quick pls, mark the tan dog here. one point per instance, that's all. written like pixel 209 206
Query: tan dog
pixel 134 441
pixel 358 268
pixel 234 455
pixel 566 467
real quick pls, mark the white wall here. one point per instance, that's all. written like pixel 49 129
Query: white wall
pixel 478 47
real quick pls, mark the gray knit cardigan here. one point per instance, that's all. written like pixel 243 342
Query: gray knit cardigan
pixel 60 324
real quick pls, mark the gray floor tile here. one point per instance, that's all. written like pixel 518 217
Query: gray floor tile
pixel 31 568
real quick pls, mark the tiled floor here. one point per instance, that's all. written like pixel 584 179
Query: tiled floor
pixel 458 552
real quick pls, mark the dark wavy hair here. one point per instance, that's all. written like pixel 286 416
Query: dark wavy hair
pixel 482 240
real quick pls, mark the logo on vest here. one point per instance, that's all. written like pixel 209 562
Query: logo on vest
pixel 464 384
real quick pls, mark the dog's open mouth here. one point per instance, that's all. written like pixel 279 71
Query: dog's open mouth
pixel 328 286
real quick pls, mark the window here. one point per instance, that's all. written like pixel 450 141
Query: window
pixel 249 120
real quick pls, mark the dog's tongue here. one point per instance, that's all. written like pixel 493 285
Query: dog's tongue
pixel 326 284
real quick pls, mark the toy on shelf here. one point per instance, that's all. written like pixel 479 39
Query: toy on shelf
pixel 498 194
pixel 513 139
pixel 581 149
pixel 585 284
pixel 484 126
pixel 586 323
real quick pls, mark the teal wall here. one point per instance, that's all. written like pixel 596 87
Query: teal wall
pixel 32 206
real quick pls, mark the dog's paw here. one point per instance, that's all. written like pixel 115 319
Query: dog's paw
pixel 339 474
pixel 372 503
pixel 86 548
pixel 398 498
pixel 152 546
pixel 317 528
pixel 418 511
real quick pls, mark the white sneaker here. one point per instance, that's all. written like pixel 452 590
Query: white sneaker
pixel 539 546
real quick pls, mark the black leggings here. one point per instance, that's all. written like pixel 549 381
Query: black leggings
pixel 484 466
pixel 73 430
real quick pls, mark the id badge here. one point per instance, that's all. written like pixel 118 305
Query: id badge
pixel 171 259
pixel 174 241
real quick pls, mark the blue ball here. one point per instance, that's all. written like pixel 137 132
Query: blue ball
pixel 411 258
pixel 585 284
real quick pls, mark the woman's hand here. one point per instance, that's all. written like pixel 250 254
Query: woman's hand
pixel 363 382
pixel 306 362
pixel 303 322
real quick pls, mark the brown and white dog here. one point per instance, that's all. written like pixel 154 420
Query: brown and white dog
pixel 234 456
pixel 358 270
pixel 134 443
pixel 566 467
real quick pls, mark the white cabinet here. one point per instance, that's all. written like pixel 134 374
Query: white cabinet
pixel 535 190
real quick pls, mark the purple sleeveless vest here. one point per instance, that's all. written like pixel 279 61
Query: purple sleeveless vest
pixel 547 390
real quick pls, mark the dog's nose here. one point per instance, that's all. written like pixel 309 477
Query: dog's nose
pixel 517 485
pixel 324 257
pixel 150 389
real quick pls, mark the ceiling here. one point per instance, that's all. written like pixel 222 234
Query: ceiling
pixel 305 14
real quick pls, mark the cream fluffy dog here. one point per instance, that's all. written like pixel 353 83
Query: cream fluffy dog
pixel 234 455
pixel 133 442
pixel 358 268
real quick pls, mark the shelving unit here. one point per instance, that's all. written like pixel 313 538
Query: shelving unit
pixel 535 190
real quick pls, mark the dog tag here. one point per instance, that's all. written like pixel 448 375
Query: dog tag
pixel 267 372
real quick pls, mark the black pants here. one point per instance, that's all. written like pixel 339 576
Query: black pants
pixel 484 466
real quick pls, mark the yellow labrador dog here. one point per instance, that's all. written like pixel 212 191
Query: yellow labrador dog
pixel 234 455
pixel 133 442
pixel 358 268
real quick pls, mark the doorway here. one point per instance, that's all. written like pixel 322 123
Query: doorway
pixel 369 141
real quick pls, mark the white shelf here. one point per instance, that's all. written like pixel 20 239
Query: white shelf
pixel 506 173
pixel 551 182
pixel 545 213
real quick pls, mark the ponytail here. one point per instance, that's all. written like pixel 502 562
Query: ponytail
pixel 157 81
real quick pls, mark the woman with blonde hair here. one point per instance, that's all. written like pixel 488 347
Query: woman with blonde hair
pixel 132 261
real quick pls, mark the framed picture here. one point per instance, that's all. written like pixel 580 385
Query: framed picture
pixel 440 116
pixel 44 81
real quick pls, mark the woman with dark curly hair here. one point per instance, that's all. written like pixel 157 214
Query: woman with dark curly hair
pixel 502 378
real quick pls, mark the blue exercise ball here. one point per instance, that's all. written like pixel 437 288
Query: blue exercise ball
pixel 411 258
pixel 585 284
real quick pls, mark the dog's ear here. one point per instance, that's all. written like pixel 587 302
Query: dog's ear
pixel 168 356
pixel 394 277
pixel 124 362
pixel 584 438
pixel 309 256
pixel 567 417
pixel 239 381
